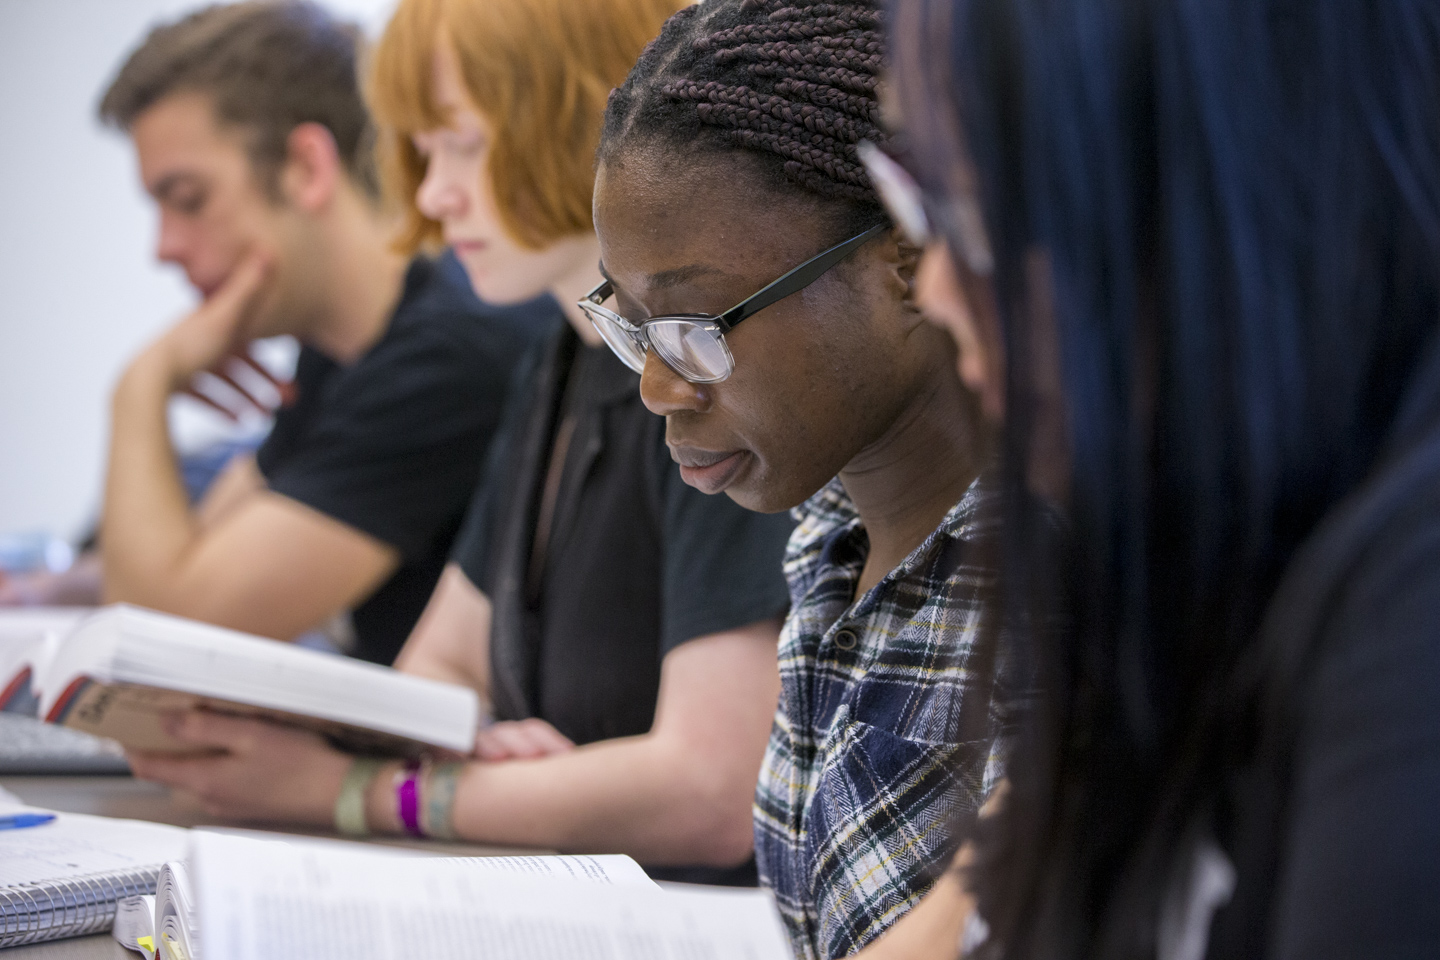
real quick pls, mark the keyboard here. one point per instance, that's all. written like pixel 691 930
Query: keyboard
pixel 28 746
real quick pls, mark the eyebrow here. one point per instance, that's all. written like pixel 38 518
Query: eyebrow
pixel 170 181
pixel 668 279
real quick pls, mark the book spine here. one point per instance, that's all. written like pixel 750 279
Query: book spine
pixel 21 681
pixel 73 907
pixel 66 700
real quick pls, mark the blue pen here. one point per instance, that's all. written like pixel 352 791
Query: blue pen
pixel 20 820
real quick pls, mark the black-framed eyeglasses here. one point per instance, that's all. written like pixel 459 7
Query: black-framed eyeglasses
pixel 693 344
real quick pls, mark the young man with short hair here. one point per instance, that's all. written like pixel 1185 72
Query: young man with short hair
pixel 253 139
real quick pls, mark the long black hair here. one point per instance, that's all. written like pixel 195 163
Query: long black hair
pixel 1226 216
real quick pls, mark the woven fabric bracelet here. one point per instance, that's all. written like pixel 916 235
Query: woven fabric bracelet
pixel 350 804
pixel 407 797
pixel 438 810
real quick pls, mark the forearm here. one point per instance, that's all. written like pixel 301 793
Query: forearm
pixel 147 525
pixel 659 801
pixel 451 640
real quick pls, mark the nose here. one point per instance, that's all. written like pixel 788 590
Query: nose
pixel 665 392
pixel 439 196
pixel 171 244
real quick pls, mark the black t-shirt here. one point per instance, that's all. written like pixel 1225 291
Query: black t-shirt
pixel 1334 826
pixel 393 443
pixel 636 563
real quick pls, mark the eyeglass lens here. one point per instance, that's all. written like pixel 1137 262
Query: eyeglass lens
pixel 694 349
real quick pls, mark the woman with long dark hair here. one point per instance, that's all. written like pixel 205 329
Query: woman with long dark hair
pixel 1199 244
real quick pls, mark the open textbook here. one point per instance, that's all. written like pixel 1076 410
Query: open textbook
pixel 119 670
pixel 167 925
pixel 64 878
pixel 26 634
pixel 243 899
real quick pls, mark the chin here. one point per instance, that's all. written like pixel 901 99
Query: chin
pixel 760 498
pixel 498 289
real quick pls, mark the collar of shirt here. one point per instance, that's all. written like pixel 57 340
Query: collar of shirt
pixel 828 528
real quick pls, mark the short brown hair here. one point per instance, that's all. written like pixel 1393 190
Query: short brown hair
pixel 539 71
pixel 268 66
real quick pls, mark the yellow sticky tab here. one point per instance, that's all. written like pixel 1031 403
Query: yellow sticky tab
pixel 147 942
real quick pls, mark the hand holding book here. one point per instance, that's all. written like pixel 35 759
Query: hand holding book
pixel 247 768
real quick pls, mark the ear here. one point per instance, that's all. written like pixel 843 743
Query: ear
pixel 312 173
pixel 901 259
pixel 940 296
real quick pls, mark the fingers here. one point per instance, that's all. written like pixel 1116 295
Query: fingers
pixel 216 328
pixel 218 731
pixel 247 768
pixel 996 803
pixel 241 286
pixel 520 740
pixel 186 772
pixel 193 775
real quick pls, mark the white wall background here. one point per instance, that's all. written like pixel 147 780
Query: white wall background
pixel 79 290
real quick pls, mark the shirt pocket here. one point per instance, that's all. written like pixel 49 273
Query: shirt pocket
pixel 879 828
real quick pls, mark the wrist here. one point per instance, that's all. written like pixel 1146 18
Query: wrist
pixel 151 375
pixel 381 812
pixel 346 809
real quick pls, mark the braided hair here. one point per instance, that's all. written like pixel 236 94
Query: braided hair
pixel 792 82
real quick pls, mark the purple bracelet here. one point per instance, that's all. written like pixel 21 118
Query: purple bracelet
pixel 407 798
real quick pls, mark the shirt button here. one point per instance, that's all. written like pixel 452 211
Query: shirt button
pixel 846 639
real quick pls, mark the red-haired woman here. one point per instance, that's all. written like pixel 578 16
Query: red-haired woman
pixel 621 625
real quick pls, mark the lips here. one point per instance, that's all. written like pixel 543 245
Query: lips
pixel 709 471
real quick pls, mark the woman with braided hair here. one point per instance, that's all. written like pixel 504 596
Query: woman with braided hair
pixel 728 165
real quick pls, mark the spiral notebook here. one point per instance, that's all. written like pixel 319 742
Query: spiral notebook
pixel 64 878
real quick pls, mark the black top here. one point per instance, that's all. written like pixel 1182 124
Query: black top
pixel 392 444
pixel 1334 829
pixel 636 562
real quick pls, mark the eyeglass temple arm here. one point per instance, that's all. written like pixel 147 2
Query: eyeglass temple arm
pixel 799 278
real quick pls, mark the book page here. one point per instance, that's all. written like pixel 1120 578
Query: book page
pixel 258 900
pixel 134 919
pixel 612 869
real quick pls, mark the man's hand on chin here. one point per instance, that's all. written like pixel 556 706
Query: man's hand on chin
pixel 211 333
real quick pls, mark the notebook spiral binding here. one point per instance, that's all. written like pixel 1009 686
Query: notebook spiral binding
pixel 72 907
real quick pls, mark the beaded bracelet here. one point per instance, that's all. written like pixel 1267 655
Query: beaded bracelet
pixel 407 797
pixel 349 810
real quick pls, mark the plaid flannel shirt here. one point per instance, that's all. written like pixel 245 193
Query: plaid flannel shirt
pixel 866 772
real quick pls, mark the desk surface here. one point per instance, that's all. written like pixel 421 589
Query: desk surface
pixel 126 797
